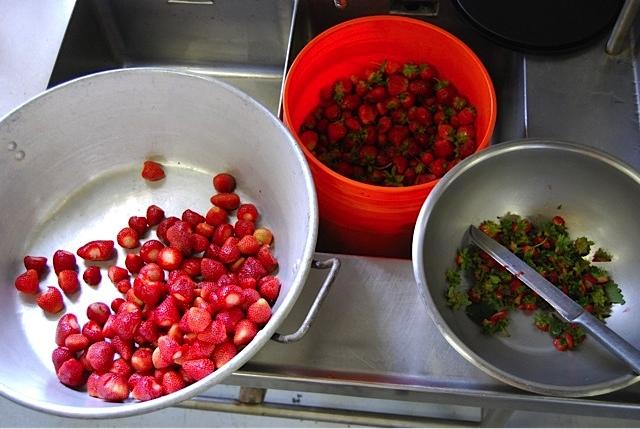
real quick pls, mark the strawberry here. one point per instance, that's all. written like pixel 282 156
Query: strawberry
pixel 71 373
pixel 227 201
pixel 197 319
pixel 221 234
pixel 133 262
pixel 309 139
pixel 179 236
pixel 92 384
pixel 249 245
pixel 224 353
pixel 336 132
pixel 419 87
pixel 38 263
pixel 216 216
pixel 427 72
pixel 68 281
pixel 123 347
pixel 127 320
pixel 50 300
pixel 183 290
pixel 229 251
pixel 169 258
pixel 139 224
pixel 243 227
pixel 100 356
pixel 146 388
pixel 332 112
pixel 172 382
pixel 198 369
pixel 152 171
pixel 376 94
pixel 148 291
pixel 246 330
pixel 99 312
pixel 128 238
pixel 200 243
pixel 60 355
pixel 155 215
pixel 167 313
pixel 122 368
pixel 266 258
pixel 263 235
pixel 28 282
pixel 253 268
pixel 211 270
pixel 468 147
pixel 224 182
pixel 466 116
pixel 163 226
pixel 93 331
pixel 92 276
pixel 214 333
pixel 204 229
pixel 117 273
pixel 438 167
pixel 259 312
pixel 149 251
pixel 397 84
pixel 63 260
pixel 97 250
pixel 112 387
pixel 147 333
pixel 445 92
pixel 230 318
pixel 367 114
pixel 269 288
pixel 141 360
pixel 192 218
pixel 443 148
pixel 196 350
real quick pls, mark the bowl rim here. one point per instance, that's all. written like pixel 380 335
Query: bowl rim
pixel 360 186
pixel 419 269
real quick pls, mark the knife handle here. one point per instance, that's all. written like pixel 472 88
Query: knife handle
pixel 612 341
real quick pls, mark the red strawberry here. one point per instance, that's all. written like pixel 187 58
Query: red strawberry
pixel 216 216
pixel 133 262
pixel 336 132
pixel 266 258
pixel 116 273
pixel 252 267
pixel 141 360
pixel 92 276
pixel 68 281
pixel 438 167
pixel 155 215
pixel 192 218
pixel 93 331
pixel 227 201
pixel 183 290
pixel 112 387
pixel 397 84
pixel 92 384
pixel 139 224
pixel 100 356
pixel 28 282
pixel 196 350
pixel 97 250
pixel 250 296
pixel 224 182
pixel 249 245
pixel 367 114
pixel 152 171
pixel 211 270
pixel 443 148
pixel 50 300
pixel 309 139
pixel 197 319
pixel 259 312
pixel 204 229
pixel 445 92
pixel 146 388
pixel 243 227
pixel 127 320
pixel 229 251
pixel 198 369
pixel 180 237
pixel 269 288
pixel 71 373
pixel 167 348
pixel 468 147
pixel 214 333
pixel 428 72
pixel 172 382
pixel 60 355
pixel 466 116
pixel 200 243
pixel 224 353
pixel 246 330
pixel 221 234
pixel 164 226
pixel 38 263
pixel 149 250
pixel 121 367
pixel 147 333
pixel 169 258
pixel 123 347
pixel 148 291
pixel 230 318
pixel 128 238
pixel 63 260
pixel 167 313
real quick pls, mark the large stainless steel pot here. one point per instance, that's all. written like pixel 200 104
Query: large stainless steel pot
pixel 597 195
pixel 70 172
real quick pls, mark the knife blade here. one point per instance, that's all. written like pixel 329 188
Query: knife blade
pixel 567 308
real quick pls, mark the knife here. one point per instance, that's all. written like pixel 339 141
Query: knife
pixel 567 308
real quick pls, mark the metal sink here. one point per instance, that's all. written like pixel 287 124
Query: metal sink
pixel 243 42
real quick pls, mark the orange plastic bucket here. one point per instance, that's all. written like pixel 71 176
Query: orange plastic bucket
pixel 355 217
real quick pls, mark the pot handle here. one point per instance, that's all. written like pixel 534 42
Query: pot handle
pixel 334 265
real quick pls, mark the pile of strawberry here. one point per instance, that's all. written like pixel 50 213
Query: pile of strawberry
pixel 190 299
pixel 396 125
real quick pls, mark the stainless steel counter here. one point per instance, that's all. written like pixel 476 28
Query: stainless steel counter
pixel 373 337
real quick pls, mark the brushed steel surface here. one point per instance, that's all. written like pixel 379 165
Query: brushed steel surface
pixel 568 309
pixel 598 198
pixel 77 179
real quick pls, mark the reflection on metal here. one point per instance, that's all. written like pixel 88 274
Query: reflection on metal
pixel 340 4
pixel 620 31
pixel 330 415
pixel 252 395
pixel 415 7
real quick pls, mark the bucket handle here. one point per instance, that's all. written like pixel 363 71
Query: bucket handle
pixel 334 265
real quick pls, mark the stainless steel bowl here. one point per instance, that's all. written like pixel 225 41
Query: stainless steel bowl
pixel 70 164
pixel 598 196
